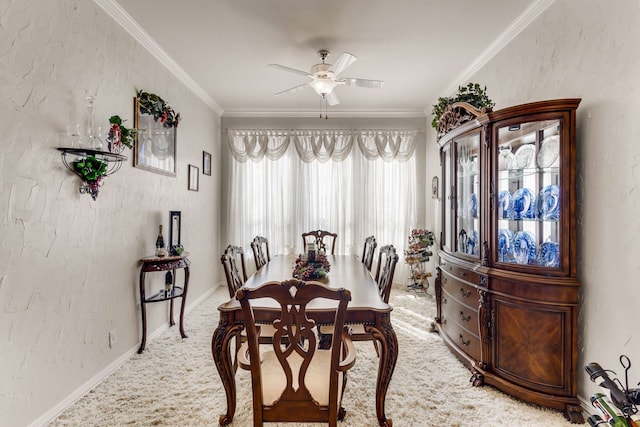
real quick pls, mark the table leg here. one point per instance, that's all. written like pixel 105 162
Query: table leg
pixel 173 283
pixel 184 299
pixel 383 332
pixel 143 311
pixel 221 350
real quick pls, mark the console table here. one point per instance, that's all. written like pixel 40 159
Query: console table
pixel 170 264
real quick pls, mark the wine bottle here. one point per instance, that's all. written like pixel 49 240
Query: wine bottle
pixel 160 251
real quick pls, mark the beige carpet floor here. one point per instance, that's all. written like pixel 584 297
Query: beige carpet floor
pixel 175 382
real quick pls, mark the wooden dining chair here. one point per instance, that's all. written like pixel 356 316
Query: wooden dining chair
pixel 387 260
pixel 296 382
pixel 318 237
pixel 369 249
pixel 260 248
pixel 231 258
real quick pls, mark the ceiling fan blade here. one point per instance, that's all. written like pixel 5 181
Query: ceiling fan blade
pixel 289 69
pixel 332 98
pixel 350 81
pixel 293 89
pixel 343 62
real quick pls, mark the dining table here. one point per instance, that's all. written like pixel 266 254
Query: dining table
pixel 366 307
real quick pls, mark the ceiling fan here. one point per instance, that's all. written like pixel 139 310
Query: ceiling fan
pixel 325 77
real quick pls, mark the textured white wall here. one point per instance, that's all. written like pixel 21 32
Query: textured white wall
pixel 68 264
pixel 589 49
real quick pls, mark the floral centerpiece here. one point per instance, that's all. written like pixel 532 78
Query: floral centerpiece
pixel 310 269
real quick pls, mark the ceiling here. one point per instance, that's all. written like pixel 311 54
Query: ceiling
pixel 422 49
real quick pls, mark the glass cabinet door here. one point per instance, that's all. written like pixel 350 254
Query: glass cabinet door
pixel 448 206
pixel 529 194
pixel 467 206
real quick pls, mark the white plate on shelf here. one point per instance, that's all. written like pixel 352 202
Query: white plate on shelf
pixel 506 159
pixel 549 150
pixel 525 155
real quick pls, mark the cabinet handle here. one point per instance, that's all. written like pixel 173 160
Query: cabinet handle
pixel 444 280
pixel 464 318
pixel 463 342
pixel 463 273
pixel 444 300
pixel 466 294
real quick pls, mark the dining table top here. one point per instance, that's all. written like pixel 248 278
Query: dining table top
pixel 346 271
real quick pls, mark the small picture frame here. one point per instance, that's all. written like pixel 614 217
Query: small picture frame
pixel 194 178
pixel 175 219
pixel 434 187
pixel 206 163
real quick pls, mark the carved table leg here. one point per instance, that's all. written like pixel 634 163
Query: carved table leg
pixel 143 312
pixel 184 300
pixel 222 357
pixel 383 332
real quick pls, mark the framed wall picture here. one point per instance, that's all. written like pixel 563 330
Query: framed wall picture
pixel 206 163
pixel 175 218
pixel 434 187
pixel 155 148
pixel 194 178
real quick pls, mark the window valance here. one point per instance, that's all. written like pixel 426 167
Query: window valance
pixel 322 144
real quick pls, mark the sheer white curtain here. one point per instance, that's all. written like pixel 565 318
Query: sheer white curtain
pixel 360 194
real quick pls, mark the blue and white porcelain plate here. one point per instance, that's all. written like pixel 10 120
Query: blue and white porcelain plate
pixel 549 202
pixel 549 254
pixel 472 243
pixel 523 204
pixel 505 204
pixel 524 248
pixel 473 205
pixel 505 241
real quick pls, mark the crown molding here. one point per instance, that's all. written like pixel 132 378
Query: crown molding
pixel 131 26
pixel 515 28
pixel 337 113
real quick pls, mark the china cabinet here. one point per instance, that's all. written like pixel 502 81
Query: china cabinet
pixel 506 287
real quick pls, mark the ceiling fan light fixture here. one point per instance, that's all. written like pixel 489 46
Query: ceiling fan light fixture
pixel 323 86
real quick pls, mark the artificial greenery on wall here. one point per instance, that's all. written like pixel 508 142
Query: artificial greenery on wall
pixel 150 103
pixel 472 94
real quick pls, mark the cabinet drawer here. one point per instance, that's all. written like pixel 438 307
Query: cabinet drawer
pixel 460 273
pixel 463 339
pixel 460 290
pixel 464 315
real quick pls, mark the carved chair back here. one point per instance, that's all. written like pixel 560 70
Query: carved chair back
pixel 233 260
pixel 369 249
pixel 295 380
pixel 387 260
pixel 260 248
pixel 318 237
